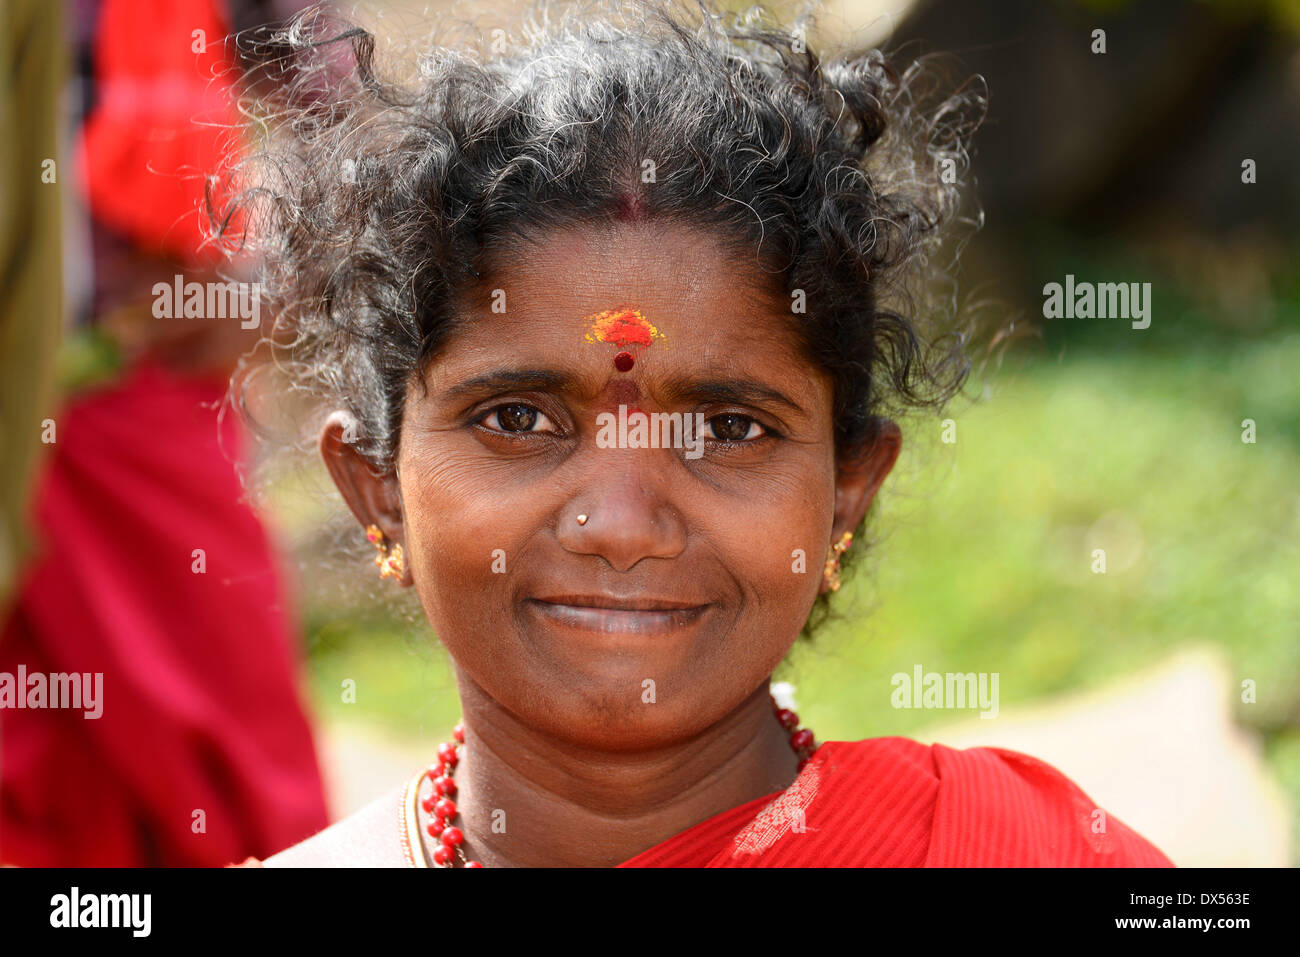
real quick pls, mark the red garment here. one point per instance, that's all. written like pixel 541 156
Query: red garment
pixel 892 802
pixel 200 683
pixel 164 121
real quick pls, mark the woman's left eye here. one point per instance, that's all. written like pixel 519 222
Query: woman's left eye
pixel 731 427
pixel 517 418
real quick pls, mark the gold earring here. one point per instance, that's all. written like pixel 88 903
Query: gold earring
pixel 389 560
pixel 831 573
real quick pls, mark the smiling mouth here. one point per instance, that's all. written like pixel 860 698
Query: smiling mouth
pixel 641 616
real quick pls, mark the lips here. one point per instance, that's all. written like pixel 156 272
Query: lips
pixel 634 615
pixel 630 603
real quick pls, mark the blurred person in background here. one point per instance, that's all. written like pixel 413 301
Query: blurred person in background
pixel 149 567
pixel 31 302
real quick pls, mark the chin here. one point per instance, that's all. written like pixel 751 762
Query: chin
pixel 621 716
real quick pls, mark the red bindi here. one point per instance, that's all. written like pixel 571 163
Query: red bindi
pixel 623 362
pixel 631 207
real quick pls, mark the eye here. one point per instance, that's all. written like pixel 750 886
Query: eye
pixel 517 418
pixel 731 427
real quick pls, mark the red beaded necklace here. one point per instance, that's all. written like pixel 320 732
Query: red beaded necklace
pixel 441 806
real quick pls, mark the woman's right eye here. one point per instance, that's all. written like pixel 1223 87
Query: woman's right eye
pixel 517 418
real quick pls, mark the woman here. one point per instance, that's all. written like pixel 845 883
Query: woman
pixel 606 328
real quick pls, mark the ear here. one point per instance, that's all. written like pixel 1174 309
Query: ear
pixel 374 497
pixel 859 476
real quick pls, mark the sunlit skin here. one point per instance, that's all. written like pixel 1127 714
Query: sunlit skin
pixel 682 574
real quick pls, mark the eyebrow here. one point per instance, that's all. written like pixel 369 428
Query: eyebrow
pixel 683 390
pixel 506 380
pixel 723 391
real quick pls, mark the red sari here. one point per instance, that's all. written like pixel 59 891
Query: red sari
pixel 883 802
pixel 893 802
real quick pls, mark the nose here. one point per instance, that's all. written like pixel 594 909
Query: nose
pixel 627 506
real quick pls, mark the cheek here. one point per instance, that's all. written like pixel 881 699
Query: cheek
pixel 463 529
pixel 775 547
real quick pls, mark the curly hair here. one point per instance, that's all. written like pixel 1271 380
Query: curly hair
pixel 379 204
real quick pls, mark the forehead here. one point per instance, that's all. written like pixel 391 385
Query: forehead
pixel 693 288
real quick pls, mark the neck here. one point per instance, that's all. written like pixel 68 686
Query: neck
pixel 526 799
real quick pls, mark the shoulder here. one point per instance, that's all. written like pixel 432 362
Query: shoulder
pixel 1001 808
pixel 371 837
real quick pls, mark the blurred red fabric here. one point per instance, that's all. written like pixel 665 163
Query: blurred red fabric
pixel 163 121
pixel 201 687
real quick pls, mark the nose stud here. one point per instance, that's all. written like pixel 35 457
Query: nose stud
pixel 582 519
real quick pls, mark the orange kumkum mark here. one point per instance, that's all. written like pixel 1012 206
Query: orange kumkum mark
pixel 623 327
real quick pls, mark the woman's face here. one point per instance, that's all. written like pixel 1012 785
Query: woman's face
pixel 695 566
